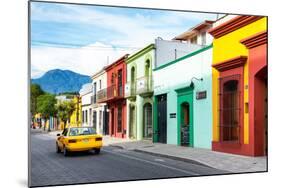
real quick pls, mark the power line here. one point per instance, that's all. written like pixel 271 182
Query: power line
pixel 72 45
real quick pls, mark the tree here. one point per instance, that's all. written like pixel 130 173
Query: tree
pixel 65 109
pixel 35 92
pixel 46 105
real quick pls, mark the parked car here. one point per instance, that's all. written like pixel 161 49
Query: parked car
pixel 78 139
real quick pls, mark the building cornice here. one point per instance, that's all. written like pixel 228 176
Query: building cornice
pixel 255 40
pixel 183 57
pixel 99 73
pixel 117 62
pixel 230 63
pixel 140 53
pixel 232 25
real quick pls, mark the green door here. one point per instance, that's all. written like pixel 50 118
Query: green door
pixel 185 116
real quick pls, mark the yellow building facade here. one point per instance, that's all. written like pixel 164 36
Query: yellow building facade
pixel 233 62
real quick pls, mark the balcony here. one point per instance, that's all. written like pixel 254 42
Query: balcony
pixel 101 95
pixel 144 86
pixel 130 90
pixel 110 93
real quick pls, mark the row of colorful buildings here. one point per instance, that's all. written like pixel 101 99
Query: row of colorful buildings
pixel 205 88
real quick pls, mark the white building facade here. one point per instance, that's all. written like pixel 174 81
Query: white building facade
pixel 86 94
pixel 99 110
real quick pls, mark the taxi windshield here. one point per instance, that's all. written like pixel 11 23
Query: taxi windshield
pixel 78 131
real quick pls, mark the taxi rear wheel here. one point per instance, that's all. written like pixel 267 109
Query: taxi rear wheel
pixel 97 151
pixel 65 151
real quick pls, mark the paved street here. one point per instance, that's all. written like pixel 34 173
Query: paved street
pixel 112 164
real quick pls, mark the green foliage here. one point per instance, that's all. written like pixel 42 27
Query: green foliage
pixel 65 109
pixel 35 92
pixel 46 105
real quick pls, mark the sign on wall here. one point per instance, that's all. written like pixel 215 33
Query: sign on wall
pixel 172 115
pixel 201 95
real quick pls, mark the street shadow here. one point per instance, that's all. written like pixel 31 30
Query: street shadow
pixel 83 154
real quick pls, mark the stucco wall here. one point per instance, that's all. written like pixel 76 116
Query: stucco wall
pixel 139 64
pixel 179 75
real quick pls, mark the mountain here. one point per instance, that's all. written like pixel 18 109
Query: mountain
pixel 59 81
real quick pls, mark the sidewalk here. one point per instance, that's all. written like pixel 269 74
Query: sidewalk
pixel 223 161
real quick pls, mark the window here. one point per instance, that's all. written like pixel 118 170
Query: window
pixel 147 66
pixel 95 120
pixel 100 83
pixel 119 120
pixel 86 116
pixel 64 133
pixel 100 119
pixel 83 118
pixel 133 74
pixel 229 108
pixel 193 40
pixel 78 131
pixel 203 42
pixel 112 78
pixel 120 89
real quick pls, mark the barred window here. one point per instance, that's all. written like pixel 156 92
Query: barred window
pixel 229 108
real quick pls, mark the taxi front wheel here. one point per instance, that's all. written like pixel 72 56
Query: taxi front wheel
pixel 57 148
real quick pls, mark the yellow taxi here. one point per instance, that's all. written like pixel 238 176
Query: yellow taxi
pixel 78 139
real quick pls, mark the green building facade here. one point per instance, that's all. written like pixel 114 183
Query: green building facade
pixel 183 100
pixel 139 93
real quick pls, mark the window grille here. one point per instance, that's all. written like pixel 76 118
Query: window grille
pixel 230 98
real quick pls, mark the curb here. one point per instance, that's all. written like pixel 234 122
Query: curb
pixel 168 156
pixel 175 158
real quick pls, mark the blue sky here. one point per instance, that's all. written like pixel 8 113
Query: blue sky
pixel 82 38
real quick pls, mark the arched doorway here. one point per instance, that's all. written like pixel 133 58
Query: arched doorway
pixel 185 123
pixel 147 121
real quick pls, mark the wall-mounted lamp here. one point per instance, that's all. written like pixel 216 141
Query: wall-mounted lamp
pixel 192 83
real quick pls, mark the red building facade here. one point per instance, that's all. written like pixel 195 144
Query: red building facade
pixel 116 103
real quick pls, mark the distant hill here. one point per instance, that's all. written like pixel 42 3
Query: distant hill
pixel 60 81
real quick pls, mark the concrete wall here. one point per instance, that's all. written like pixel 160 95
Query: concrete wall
pixel 179 75
pixel 165 50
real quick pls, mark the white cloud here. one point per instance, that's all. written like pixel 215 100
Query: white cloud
pixel 85 60
pixel 137 30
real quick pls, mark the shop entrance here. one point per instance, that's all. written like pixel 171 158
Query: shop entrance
pixel 162 118
pixel 147 127
pixel 132 126
pixel 185 124
pixel 185 116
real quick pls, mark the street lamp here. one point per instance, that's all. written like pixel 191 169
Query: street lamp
pixel 192 83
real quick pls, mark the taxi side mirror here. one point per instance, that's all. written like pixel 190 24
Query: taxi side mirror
pixel 58 134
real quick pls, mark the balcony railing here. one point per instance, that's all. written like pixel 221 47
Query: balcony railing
pixel 110 92
pixel 102 95
pixel 144 85
pixel 130 89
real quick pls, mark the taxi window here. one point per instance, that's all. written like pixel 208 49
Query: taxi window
pixel 64 133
